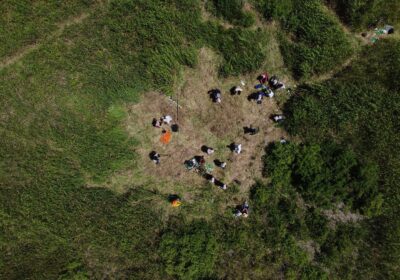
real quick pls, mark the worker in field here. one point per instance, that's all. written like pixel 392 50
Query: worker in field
pixel 215 95
pixel 166 119
pixel 236 148
pixel 219 184
pixel 236 90
pixel 156 123
pixel 268 92
pixel 210 178
pixel 207 150
pixel 166 136
pixel 278 118
pixel 263 78
pixel 275 83
pixel 242 210
pixel 220 164
pixel 260 96
pixel 175 200
pixel 155 157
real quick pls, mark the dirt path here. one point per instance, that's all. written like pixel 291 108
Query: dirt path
pixel 20 54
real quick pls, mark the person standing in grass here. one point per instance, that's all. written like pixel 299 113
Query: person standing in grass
pixel 155 157
pixel 215 95
pixel 263 78
pixel 236 90
pixel 166 119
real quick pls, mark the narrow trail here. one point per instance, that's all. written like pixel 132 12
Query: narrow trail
pixel 358 41
pixel 20 54
pixel 329 75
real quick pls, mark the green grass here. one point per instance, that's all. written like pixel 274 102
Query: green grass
pixel 25 22
pixel 314 42
pixel 364 14
pixel 62 134
pixel 232 11
pixel 358 109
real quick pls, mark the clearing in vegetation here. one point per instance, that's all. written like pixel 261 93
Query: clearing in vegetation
pixel 81 81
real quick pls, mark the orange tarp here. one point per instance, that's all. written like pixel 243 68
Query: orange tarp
pixel 166 137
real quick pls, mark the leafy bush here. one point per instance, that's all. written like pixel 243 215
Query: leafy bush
pixel 317 43
pixel 324 175
pixel 242 49
pixel 191 252
pixel 358 108
pixel 276 9
pixel 232 11
pixel 364 13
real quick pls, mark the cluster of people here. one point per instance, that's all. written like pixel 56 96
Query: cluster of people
pixel 198 164
pixel 266 87
pixel 242 210
pixel 167 119
pixel 165 134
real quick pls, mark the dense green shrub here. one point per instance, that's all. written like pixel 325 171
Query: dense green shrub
pixel 359 108
pixel 362 13
pixel 276 9
pixel 320 43
pixel 232 11
pixel 317 43
pixel 287 222
pixel 324 175
pixel 191 252
pixel 242 50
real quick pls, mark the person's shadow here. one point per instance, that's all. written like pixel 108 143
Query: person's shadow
pixel 250 130
pixel 173 197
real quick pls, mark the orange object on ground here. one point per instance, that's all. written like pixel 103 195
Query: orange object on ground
pixel 166 137
pixel 176 203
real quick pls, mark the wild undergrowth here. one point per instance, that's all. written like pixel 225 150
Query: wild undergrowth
pixel 313 41
pixel 365 14
pixel 62 134
pixel 63 106
pixel 232 11
pixel 358 109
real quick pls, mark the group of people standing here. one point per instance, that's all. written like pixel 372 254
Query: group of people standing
pixel 266 87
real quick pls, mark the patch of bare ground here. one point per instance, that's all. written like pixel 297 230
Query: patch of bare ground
pixel 339 215
pixel 201 122
pixel 20 54
pixel 309 246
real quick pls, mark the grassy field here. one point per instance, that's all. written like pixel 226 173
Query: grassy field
pixel 80 84
pixel 67 105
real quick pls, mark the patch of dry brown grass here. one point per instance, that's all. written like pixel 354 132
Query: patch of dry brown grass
pixel 201 122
